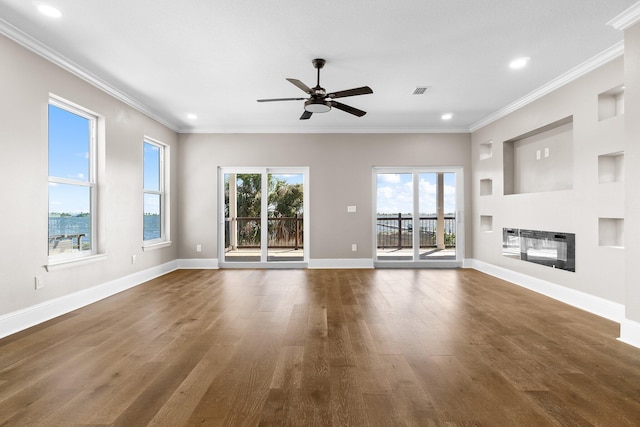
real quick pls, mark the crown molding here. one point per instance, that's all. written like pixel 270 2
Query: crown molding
pixel 627 18
pixel 258 130
pixel 55 57
pixel 597 61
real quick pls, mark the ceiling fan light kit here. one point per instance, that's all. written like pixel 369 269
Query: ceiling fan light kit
pixel 319 100
pixel 317 106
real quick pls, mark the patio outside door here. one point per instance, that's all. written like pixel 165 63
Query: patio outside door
pixel 258 231
pixel 418 217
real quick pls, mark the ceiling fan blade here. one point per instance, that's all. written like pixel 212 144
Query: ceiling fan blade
pixel 348 109
pixel 306 115
pixel 364 90
pixel 281 99
pixel 300 85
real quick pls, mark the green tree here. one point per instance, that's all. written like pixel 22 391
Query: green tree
pixel 284 200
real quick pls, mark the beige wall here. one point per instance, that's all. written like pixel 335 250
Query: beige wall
pixel 26 82
pixel 340 172
pixel 599 270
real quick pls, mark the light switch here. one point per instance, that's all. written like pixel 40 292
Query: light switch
pixel 546 151
pixel 351 209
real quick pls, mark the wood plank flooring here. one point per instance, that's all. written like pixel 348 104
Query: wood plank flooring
pixel 321 348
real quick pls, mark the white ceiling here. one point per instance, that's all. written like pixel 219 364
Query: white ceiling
pixel 214 58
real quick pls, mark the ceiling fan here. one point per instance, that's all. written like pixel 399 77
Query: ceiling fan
pixel 320 101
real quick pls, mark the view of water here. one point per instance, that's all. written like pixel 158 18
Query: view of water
pixel 69 225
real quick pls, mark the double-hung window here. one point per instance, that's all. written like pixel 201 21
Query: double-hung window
pixel 155 200
pixel 72 134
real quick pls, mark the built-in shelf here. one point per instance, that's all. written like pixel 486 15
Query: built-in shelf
pixel 486 187
pixel 486 222
pixel 611 232
pixel 540 160
pixel 611 103
pixel 486 150
pixel 611 168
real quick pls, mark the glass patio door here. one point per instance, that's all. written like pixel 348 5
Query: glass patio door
pixel 418 217
pixel 263 217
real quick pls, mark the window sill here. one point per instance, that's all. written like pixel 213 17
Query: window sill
pixel 154 246
pixel 73 262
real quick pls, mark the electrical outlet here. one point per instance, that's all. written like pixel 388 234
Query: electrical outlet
pixel 352 209
pixel 354 248
pixel 39 282
pixel 198 248
pixel 133 259
pixel 538 155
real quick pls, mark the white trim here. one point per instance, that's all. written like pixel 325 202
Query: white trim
pixel 630 332
pixel 59 264
pixel 163 191
pixel 627 18
pixel 341 263
pixel 158 245
pixel 264 171
pixel 51 55
pixel 415 262
pixel 27 317
pixel 198 264
pixel 322 130
pixel 591 303
pixel 591 64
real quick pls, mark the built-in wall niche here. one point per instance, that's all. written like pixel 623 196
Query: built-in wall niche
pixel 611 168
pixel 486 222
pixel 611 232
pixel 540 160
pixel 486 187
pixel 611 103
pixel 486 150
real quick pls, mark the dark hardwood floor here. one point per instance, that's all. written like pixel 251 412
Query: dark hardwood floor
pixel 321 347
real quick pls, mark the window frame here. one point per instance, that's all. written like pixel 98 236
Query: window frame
pixel 163 191
pixel 91 182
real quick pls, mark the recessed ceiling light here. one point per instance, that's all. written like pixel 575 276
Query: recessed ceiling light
pixel 447 116
pixel 191 116
pixel 48 10
pixel 518 63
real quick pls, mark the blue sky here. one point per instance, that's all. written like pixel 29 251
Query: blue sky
pixel 291 179
pixel 395 193
pixel 68 159
pixel 69 136
pixel 151 178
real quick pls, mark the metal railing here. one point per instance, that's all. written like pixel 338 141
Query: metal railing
pixel 397 231
pixel 283 232
pixel 392 231
pixel 75 243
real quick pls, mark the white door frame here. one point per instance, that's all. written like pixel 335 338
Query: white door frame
pixel 460 232
pixel 264 231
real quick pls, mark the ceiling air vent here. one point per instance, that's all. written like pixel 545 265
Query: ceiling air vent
pixel 420 90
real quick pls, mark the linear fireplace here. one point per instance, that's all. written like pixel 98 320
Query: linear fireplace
pixel 550 248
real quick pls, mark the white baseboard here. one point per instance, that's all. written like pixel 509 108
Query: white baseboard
pixel 593 304
pixel 341 263
pixel 16 321
pixel 22 319
pixel 198 264
pixel 630 332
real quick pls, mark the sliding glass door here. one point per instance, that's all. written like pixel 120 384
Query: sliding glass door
pixel 418 217
pixel 263 217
